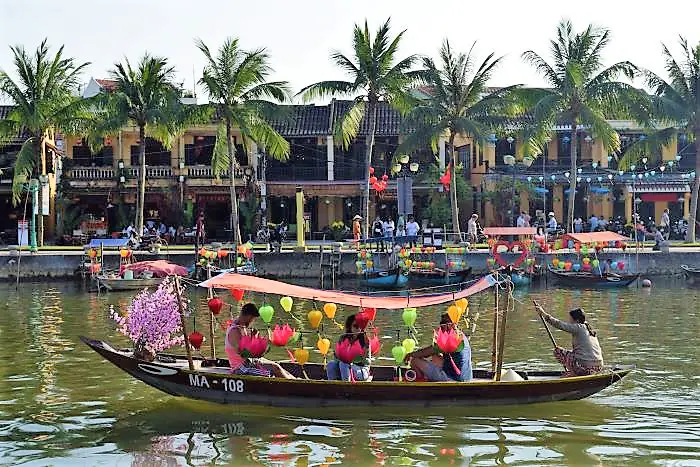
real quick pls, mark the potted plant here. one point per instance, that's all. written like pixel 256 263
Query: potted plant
pixel 152 321
pixel 338 229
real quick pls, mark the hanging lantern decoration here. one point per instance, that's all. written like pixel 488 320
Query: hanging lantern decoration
pixel 371 313
pixel 409 316
pixel 323 345
pixel 253 346
pixel 301 356
pixel 449 341
pixel 446 179
pixel 372 180
pixel 281 335
pixel 266 312
pixel 314 317
pixel 237 294
pixel 371 170
pixel 215 305
pixel 399 354
pixel 409 345
pixel 330 309
pixel 195 339
pixel 453 313
pixel 374 344
pixel 286 303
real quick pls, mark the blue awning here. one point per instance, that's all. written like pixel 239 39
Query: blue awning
pixel 541 190
pixel 108 242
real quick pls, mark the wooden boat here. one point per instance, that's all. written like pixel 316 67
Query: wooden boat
pixel 439 277
pixel 692 274
pixel 588 280
pixel 211 381
pixel 115 284
pixel 520 279
pixel 395 278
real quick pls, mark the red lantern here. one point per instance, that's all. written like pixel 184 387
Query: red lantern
pixel 237 294
pixel 226 324
pixel 361 320
pixel 371 313
pixel 371 170
pixel 385 177
pixel 215 305
pixel 372 180
pixel 195 339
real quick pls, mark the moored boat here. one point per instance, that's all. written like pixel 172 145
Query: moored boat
pixel 692 274
pixel 139 275
pixel 439 277
pixel 212 381
pixel 395 278
pixel 589 280
pixel 116 284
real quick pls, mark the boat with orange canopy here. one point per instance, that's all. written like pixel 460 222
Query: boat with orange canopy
pixel 209 379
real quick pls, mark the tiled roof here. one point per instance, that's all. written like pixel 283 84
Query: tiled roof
pixel 388 118
pixel 108 85
pixel 304 120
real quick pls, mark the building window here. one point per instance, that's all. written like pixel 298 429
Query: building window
pixel 201 150
pixel 156 153
pixel 83 156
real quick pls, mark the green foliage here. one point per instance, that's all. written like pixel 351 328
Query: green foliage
pixel 188 214
pixel 438 210
pixel 249 209
pixel 44 95
pixel 503 195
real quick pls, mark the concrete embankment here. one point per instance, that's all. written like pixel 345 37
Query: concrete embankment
pixel 295 265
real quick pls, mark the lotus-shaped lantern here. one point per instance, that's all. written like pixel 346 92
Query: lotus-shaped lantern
pixel 253 346
pixel 349 352
pixel 374 344
pixel 281 335
pixel 449 341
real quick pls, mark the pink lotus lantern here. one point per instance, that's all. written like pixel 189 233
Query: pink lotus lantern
pixel 449 341
pixel 348 352
pixel 620 265
pixel 281 335
pixel 253 346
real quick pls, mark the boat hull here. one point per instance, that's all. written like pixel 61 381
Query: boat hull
pixel 692 275
pixel 119 284
pixel 431 278
pixel 592 281
pixel 392 279
pixel 216 384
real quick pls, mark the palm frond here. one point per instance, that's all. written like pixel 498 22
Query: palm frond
pixel 349 125
pixel 327 88
pixel 650 147
pixel 220 159
pixel 24 166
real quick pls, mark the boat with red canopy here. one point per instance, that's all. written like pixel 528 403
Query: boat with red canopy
pixel 586 275
pixel 209 379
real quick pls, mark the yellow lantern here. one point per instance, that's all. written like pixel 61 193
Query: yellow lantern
pixel 323 345
pixel 462 304
pixel 124 253
pixel 454 313
pixel 329 309
pixel 314 318
pixel 301 356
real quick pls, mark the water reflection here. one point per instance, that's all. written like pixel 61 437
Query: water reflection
pixel 61 404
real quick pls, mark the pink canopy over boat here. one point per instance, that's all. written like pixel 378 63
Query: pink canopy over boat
pixel 159 268
pixel 595 237
pixel 258 284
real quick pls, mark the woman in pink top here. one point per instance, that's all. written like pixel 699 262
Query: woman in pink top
pixel 240 365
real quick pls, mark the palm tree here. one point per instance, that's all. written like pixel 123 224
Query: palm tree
pixel 236 81
pixel 146 97
pixel 375 76
pixel 459 103
pixel 44 98
pixel 676 104
pixel 580 93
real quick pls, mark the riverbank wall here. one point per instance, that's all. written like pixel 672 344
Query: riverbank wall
pixel 307 265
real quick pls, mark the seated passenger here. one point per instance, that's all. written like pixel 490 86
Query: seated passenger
pixel 243 366
pixel 340 370
pixel 586 358
pixel 456 366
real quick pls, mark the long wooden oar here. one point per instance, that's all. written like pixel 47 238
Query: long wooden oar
pixel 546 327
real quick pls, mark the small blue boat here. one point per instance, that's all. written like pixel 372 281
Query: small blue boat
pixel 395 278
pixel 439 277
pixel 520 279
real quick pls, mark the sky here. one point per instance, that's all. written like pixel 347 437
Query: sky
pixel 299 35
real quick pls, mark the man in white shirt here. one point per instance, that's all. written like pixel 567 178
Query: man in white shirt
pixel 552 224
pixel 412 227
pixel 594 223
pixel 666 223
pixel 388 227
pixel 520 221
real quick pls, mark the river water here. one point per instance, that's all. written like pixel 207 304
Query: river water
pixel 61 404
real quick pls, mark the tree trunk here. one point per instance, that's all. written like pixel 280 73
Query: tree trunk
pixel 372 112
pixel 39 219
pixel 572 179
pixel 141 193
pixel 453 186
pixel 234 224
pixel 692 215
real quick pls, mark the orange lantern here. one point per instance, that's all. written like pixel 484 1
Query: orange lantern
pixel 329 309
pixel 314 317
